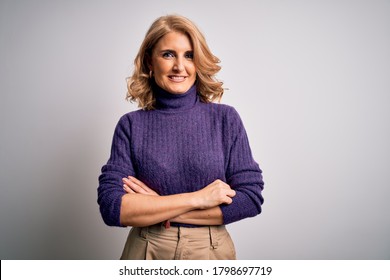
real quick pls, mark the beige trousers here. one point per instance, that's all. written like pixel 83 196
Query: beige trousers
pixel 179 243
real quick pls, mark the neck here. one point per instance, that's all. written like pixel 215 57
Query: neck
pixel 174 102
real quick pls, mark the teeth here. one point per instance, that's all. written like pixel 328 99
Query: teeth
pixel 177 78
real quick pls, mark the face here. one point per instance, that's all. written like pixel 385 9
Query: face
pixel 172 63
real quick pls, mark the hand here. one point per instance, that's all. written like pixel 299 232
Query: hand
pixel 133 185
pixel 214 194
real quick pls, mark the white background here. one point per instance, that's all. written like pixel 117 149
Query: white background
pixel 310 80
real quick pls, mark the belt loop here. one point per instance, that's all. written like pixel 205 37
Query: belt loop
pixel 213 237
pixel 144 232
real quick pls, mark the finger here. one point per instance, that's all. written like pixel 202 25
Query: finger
pixel 228 200
pixel 142 185
pixel 135 187
pixel 231 193
pixel 125 181
pixel 139 183
pixel 127 189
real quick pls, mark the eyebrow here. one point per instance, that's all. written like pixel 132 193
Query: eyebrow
pixel 173 51
pixel 167 50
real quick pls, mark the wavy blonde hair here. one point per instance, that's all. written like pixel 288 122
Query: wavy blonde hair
pixel 139 86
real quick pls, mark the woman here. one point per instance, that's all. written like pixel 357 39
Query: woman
pixel 180 167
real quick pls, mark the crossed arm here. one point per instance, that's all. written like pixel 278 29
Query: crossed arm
pixel 141 206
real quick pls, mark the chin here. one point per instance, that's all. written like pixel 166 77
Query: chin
pixel 175 88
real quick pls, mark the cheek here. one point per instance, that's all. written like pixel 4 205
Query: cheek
pixel 191 69
pixel 160 66
pixel 160 73
pixel 158 69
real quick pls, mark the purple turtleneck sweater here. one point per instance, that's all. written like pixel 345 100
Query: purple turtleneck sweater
pixel 182 146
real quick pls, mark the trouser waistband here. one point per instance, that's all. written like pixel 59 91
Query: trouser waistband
pixel 178 232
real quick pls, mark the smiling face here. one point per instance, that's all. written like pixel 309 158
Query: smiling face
pixel 172 63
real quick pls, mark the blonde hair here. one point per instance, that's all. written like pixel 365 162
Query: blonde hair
pixel 139 86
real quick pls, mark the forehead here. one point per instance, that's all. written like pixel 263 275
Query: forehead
pixel 174 41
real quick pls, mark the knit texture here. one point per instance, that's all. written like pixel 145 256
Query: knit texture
pixel 182 146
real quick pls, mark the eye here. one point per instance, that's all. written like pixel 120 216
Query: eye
pixel 167 54
pixel 189 55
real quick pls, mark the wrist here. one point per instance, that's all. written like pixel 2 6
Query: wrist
pixel 176 219
pixel 194 200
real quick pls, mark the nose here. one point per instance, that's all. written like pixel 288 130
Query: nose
pixel 178 66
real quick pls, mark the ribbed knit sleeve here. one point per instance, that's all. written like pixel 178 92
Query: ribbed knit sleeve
pixel 242 173
pixel 119 165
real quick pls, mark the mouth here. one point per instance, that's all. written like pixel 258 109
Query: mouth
pixel 176 78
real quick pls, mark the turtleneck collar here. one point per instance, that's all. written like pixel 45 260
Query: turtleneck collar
pixel 174 102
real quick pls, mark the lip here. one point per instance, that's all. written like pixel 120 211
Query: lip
pixel 177 78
